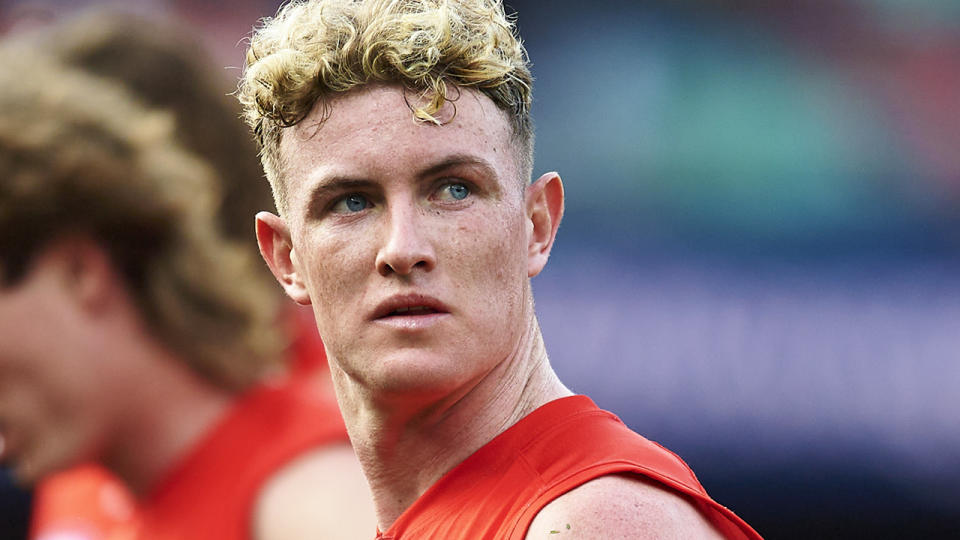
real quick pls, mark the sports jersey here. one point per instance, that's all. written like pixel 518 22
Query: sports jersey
pixel 86 502
pixel 496 492
pixel 211 492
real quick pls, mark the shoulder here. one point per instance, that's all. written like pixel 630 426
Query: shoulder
pixel 322 492
pixel 620 506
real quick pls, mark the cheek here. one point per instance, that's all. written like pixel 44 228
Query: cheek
pixel 19 339
pixel 492 257
pixel 49 389
pixel 493 279
pixel 34 410
pixel 30 366
pixel 332 267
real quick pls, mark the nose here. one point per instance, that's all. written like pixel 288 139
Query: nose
pixel 407 245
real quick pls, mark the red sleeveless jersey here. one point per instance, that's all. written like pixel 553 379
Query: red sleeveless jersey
pixel 210 494
pixel 496 492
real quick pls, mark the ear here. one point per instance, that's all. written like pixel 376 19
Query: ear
pixel 86 271
pixel 273 237
pixel 544 201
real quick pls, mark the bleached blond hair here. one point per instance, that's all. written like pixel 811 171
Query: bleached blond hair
pixel 315 49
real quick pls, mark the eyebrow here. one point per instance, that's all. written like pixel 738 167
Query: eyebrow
pixel 458 160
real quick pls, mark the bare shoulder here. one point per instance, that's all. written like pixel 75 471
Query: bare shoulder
pixel 322 494
pixel 620 506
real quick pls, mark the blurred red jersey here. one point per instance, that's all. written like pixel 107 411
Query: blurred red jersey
pixel 209 494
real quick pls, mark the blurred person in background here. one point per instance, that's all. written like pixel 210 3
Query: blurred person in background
pixel 399 145
pixel 135 336
pixel 165 67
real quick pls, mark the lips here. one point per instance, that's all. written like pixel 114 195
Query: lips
pixel 410 305
pixel 413 310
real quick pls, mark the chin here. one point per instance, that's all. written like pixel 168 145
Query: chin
pixel 418 373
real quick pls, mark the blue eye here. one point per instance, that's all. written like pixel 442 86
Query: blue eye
pixel 458 192
pixel 351 203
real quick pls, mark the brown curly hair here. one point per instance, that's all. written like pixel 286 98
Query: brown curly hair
pixel 80 157
pixel 166 67
pixel 314 49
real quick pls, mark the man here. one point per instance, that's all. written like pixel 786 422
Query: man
pixel 134 336
pixel 397 139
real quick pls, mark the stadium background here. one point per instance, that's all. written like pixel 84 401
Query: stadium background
pixel 760 263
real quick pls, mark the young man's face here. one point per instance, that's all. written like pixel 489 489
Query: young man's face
pixel 52 402
pixel 410 239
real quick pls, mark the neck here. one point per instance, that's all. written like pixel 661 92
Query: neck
pixel 169 412
pixel 404 448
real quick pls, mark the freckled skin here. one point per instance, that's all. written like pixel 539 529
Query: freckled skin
pixel 372 214
pixel 470 254
pixel 387 216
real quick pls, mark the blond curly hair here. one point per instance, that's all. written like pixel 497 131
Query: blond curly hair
pixel 314 49
pixel 80 158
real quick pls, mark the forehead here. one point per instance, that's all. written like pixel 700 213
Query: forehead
pixel 371 131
